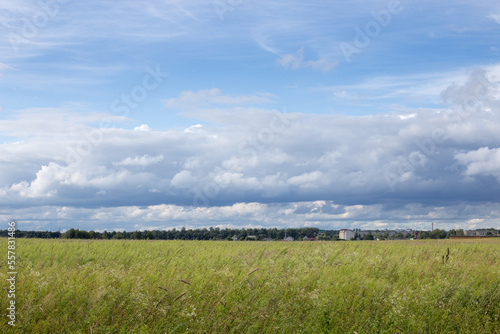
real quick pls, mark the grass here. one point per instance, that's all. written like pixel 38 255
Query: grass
pixel 71 286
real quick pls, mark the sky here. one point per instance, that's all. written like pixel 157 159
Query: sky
pixel 235 113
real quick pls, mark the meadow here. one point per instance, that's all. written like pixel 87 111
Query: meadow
pixel 130 286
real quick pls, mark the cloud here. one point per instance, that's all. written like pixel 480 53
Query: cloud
pixel 143 161
pixel 55 122
pixel 308 179
pixel 483 161
pixel 214 96
pixel 212 105
pixel 4 68
pixel 366 169
pixel 321 214
pixel 64 23
pixel 55 181
pixel 193 128
pixel 321 64
pixel 495 17
pixel 296 61
pixel 183 179
pixel 408 88
pixel 42 186
pixel 143 127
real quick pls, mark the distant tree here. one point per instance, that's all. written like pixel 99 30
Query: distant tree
pixel 118 235
pixel 69 234
pixel 322 237
pixel 82 234
pixel 438 234
pixel 137 235
pixel 450 233
pixel 368 236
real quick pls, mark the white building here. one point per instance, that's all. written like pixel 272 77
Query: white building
pixel 346 234
pixel 481 232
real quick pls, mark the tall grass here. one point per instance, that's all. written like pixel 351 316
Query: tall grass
pixel 130 286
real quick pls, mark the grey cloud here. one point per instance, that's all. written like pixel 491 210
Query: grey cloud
pixel 365 167
pixel 345 159
pixel 322 214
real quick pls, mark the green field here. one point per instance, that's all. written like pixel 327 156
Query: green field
pixel 115 286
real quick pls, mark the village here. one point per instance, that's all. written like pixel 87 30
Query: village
pixel 398 234
pixel 265 234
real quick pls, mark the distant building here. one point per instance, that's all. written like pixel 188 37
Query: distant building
pixel 346 234
pixel 308 239
pixel 288 239
pixel 486 232
pixel 481 232
pixel 235 238
pixel 252 237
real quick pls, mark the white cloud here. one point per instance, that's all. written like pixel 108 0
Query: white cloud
pixel 190 99
pixel 371 168
pixel 193 128
pixel 143 127
pixel 323 214
pixel 55 123
pixel 495 17
pixel 43 185
pixel 308 179
pixel 321 64
pixel 183 179
pixel 296 61
pixel 65 23
pixel 409 88
pixel 483 161
pixel 142 161
pixel 4 67
pixel 291 61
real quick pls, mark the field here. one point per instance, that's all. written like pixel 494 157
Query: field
pixel 115 286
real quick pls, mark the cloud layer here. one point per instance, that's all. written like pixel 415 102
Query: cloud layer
pixel 260 166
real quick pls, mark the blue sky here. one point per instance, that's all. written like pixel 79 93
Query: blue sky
pixel 237 113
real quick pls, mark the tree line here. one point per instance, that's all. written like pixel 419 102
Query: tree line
pixel 228 234
pixel 176 234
